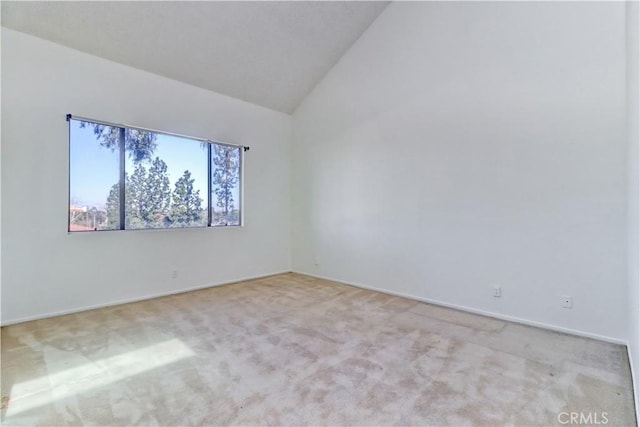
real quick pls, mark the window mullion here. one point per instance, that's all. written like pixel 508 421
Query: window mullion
pixel 122 176
pixel 209 178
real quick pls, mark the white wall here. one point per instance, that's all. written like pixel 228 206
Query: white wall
pixel 633 119
pixel 458 146
pixel 45 269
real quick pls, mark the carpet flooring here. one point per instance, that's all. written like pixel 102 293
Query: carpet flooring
pixel 295 350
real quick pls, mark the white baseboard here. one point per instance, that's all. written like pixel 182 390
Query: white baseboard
pixel 130 300
pixel 358 285
pixel 480 312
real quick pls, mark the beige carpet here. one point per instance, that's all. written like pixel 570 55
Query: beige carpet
pixel 293 350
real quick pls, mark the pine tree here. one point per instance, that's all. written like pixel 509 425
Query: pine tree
pixel 186 208
pixel 138 143
pixel 226 162
pixel 157 192
pixel 136 206
pixel 148 195
pixel 130 200
pixel 113 207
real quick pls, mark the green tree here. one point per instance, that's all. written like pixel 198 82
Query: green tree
pixel 136 206
pixel 113 207
pixel 186 208
pixel 148 195
pixel 113 202
pixel 138 143
pixel 226 162
pixel 157 192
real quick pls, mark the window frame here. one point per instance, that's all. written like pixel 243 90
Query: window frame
pixel 242 149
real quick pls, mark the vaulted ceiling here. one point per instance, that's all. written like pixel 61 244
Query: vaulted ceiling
pixel 268 53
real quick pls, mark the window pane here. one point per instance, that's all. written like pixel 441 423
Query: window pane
pixel 93 177
pixel 225 184
pixel 166 181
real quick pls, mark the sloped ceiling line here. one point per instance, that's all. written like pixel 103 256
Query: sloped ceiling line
pixel 268 53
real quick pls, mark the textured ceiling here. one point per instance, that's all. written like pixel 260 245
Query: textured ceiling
pixel 268 53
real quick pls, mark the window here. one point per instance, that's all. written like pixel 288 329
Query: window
pixel 124 178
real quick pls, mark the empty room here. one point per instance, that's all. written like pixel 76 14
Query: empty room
pixel 320 213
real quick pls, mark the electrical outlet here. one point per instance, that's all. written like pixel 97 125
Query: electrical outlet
pixel 497 291
pixel 174 274
pixel 567 301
